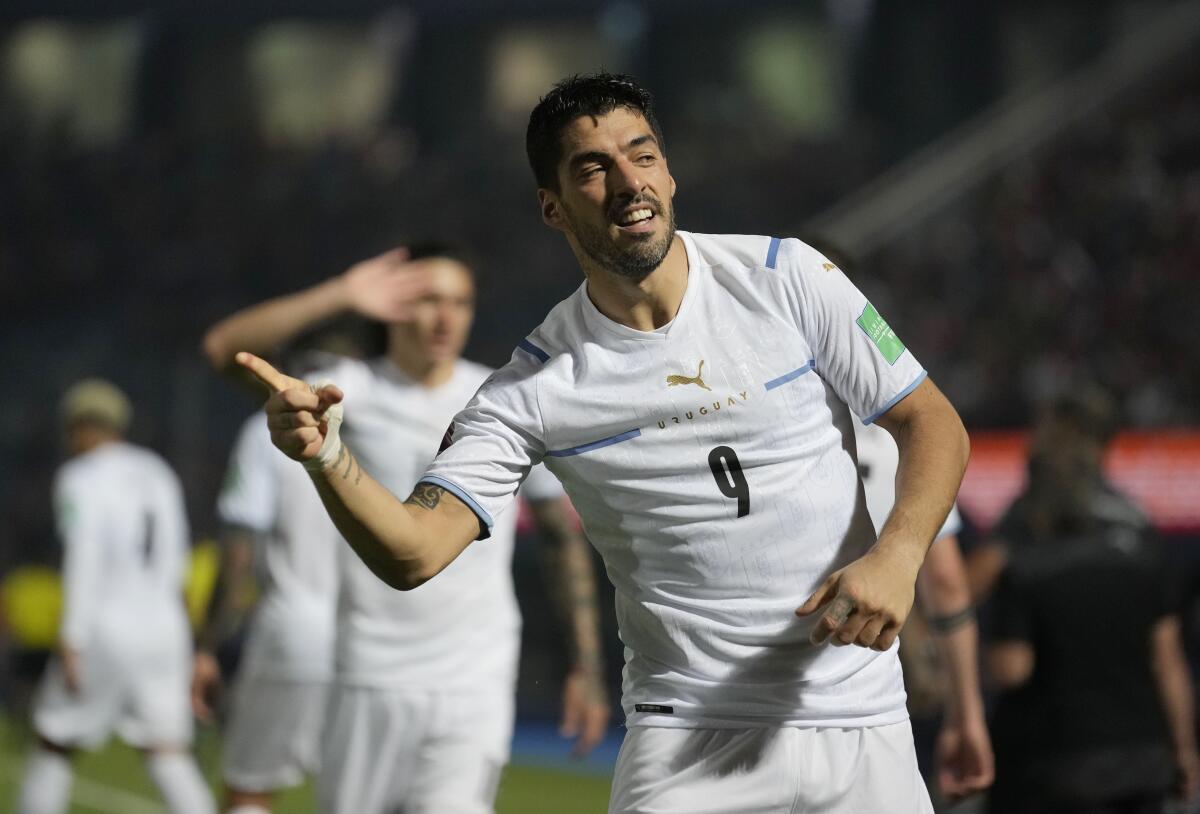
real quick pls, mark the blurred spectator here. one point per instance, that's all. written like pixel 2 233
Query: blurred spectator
pixel 1095 712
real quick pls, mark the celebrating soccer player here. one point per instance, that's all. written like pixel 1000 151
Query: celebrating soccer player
pixel 694 396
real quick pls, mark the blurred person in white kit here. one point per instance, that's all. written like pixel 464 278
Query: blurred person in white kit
pixel 124 657
pixel 421 713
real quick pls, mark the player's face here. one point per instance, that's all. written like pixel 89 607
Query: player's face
pixel 442 318
pixel 615 191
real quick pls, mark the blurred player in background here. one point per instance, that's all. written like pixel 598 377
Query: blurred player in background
pixel 962 750
pixel 694 396
pixel 422 712
pixel 271 515
pixel 124 655
pixel 1096 712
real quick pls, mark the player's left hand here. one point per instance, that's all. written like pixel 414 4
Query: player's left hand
pixel 72 668
pixel 206 680
pixel 867 602
pixel 964 761
pixel 585 711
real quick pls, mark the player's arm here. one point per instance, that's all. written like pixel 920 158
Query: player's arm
pixel 870 599
pixel 383 288
pixel 964 752
pixel 1174 682
pixel 226 611
pixel 76 517
pixel 571 579
pixel 934 448
pixel 403 543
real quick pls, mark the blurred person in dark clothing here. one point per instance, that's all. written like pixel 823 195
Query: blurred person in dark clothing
pixel 1095 713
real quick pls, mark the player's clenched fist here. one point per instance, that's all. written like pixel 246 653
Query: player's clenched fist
pixel 304 419
pixel 866 603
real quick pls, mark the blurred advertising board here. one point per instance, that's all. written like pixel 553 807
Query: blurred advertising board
pixel 1159 470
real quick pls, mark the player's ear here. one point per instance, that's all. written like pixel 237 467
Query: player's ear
pixel 551 209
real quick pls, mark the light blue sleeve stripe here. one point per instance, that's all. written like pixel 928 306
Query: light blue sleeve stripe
pixel 465 497
pixel 533 350
pixel 603 442
pixel 773 253
pixel 795 374
pixel 899 397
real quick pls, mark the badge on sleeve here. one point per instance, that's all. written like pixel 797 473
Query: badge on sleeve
pixel 877 331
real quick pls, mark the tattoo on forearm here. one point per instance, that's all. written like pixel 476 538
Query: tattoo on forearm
pixel 346 458
pixel 426 495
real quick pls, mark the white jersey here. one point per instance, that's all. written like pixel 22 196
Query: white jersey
pixel 461 630
pixel 120 514
pixel 265 492
pixel 878 458
pixel 712 463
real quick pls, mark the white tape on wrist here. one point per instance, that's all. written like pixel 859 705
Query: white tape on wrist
pixel 332 448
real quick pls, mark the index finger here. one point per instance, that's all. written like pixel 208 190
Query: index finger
pixel 261 369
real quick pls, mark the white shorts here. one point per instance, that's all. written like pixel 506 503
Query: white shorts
pixel 779 770
pixel 422 752
pixel 273 737
pixel 144 698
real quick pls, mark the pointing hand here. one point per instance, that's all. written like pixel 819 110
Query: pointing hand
pixel 304 419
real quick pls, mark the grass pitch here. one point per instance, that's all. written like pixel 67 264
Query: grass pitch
pixel 112 781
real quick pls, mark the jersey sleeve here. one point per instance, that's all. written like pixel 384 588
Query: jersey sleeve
pixel 493 442
pixel 79 519
pixel 250 492
pixel 854 348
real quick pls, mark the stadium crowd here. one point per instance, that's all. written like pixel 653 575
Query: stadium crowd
pixel 1078 262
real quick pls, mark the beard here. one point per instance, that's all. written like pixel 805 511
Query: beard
pixel 634 262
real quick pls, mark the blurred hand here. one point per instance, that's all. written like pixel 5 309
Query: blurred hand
pixel 585 711
pixel 867 602
pixel 206 681
pixel 296 412
pixel 72 667
pixel 963 759
pixel 385 287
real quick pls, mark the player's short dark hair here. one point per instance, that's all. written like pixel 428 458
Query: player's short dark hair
pixel 596 94
pixel 424 249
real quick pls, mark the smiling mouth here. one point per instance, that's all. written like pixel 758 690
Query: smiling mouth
pixel 636 220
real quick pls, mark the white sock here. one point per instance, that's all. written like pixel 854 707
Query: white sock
pixel 180 783
pixel 46 787
pixel 245 809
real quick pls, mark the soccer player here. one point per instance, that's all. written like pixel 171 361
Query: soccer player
pixel 694 396
pixel 124 644
pixel 422 709
pixel 962 749
pixel 272 516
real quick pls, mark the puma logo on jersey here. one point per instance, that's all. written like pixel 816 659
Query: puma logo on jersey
pixel 828 266
pixel 698 379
